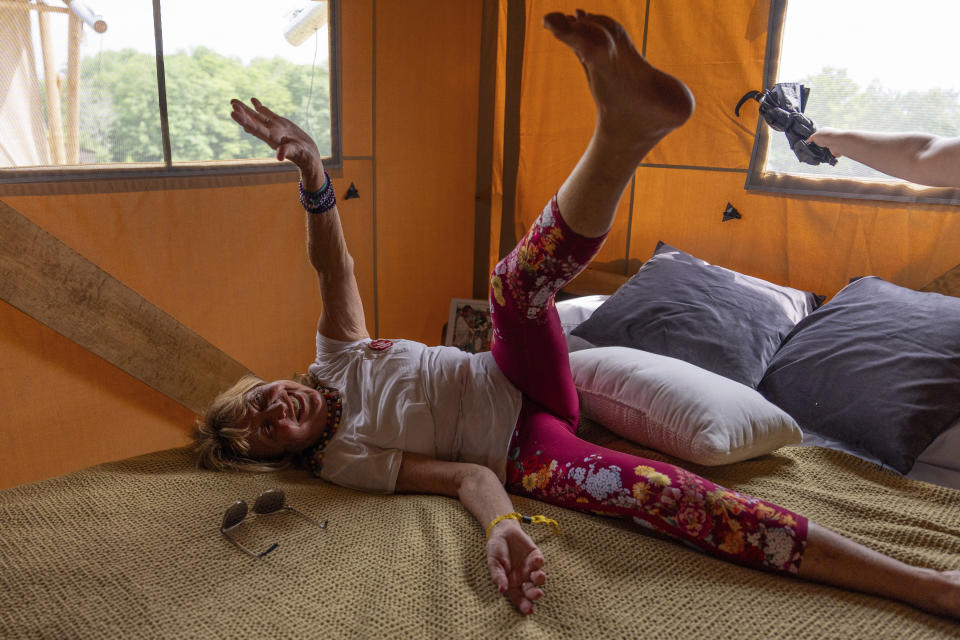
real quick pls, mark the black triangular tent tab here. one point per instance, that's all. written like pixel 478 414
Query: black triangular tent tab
pixel 351 192
pixel 730 213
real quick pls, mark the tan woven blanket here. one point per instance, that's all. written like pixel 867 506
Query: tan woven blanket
pixel 131 549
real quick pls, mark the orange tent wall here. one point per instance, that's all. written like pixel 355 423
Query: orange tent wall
pixel 228 261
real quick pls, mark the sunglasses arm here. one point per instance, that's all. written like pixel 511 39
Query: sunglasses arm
pixel 322 525
pixel 243 548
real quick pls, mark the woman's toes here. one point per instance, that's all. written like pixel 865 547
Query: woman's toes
pixel 579 34
pixel 611 26
pixel 623 84
pixel 558 23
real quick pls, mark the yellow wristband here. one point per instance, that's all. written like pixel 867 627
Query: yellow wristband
pixel 519 517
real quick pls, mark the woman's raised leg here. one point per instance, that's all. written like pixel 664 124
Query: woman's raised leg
pixel 637 105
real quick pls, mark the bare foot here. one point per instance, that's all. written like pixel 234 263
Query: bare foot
pixel 636 103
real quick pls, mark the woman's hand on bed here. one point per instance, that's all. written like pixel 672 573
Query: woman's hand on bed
pixel 513 559
pixel 516 565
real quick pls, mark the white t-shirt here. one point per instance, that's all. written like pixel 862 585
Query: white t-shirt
pixel 435 401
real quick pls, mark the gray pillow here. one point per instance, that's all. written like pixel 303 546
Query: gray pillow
pixel 679 306
pixel 877 367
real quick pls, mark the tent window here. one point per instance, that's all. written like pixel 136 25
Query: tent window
pixel 142 87
pixel 870 66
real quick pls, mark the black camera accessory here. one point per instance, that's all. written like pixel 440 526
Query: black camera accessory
pixel 782 108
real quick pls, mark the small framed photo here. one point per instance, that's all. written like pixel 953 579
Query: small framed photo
pixel 469 327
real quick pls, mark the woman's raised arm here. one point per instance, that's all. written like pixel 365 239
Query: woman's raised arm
pixel 342 315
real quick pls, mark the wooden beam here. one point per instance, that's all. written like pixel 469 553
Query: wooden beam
pixel 54 120
pixel 10 4
pixel 516 37
pixel 75 38
pixel 948 284
pixel 60 288
pixel 485 143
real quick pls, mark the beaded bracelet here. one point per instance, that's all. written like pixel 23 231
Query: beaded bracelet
pixel 319 201
pixel 519 517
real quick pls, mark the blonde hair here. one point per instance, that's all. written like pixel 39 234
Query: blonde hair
pixel 220 437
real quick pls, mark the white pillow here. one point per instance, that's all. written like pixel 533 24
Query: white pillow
pixel 678 408
pixel 574 311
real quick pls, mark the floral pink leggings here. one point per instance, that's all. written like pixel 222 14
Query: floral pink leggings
pixel 548 462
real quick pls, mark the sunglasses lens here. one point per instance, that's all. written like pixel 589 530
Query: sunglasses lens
pixel 234 514
pixel 269 501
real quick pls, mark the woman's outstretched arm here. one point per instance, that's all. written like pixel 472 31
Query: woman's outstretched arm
pixel 921 158
pixel 513 559
pixel 342 315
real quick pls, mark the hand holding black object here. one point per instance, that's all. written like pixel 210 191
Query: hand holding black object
pixel 782 108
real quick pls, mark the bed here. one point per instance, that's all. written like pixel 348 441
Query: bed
pixel 133 549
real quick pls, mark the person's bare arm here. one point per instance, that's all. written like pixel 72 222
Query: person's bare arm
pixel 513 559
pixel 342 315
pixel 918 157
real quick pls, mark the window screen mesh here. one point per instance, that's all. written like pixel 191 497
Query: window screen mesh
pixel 251 58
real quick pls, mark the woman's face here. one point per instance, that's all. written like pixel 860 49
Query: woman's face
pixel 284 417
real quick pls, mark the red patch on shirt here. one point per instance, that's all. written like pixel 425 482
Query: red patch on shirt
pixel 380 345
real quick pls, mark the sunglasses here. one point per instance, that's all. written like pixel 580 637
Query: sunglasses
pixel 270 501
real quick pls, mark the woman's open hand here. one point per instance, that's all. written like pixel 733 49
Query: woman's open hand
pixel 286 138
pixel 516 565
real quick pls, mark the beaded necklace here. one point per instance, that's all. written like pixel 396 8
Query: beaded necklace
pixel 313 456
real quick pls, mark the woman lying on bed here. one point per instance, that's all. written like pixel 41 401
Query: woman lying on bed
pixel 397 416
